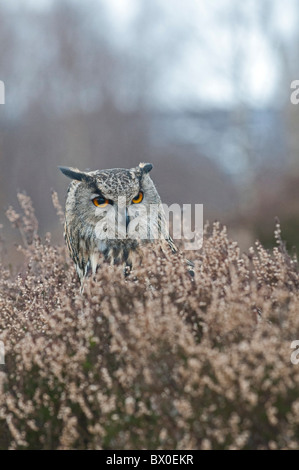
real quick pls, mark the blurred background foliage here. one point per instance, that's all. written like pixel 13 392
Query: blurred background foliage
pixel 200 89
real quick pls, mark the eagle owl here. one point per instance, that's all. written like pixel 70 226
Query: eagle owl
pixel 110 214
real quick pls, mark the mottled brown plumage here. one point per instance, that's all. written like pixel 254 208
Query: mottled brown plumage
pixel 110 215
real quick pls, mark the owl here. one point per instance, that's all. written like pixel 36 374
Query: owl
pixel 110 215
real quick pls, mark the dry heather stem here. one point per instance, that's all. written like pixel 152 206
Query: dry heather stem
pixel 201 364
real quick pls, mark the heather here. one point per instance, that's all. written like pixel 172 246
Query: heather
pixel 155 360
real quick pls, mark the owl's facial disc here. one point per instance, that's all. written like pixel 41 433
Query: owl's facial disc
pixel 118 201
pixel 116 219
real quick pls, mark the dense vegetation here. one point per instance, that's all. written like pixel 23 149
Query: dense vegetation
pixel 155 360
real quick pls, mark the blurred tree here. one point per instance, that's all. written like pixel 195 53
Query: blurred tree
pixel 79 93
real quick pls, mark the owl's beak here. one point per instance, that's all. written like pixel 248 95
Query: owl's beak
pixel 127 219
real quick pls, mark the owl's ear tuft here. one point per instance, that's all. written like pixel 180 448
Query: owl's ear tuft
pixel 73 173
pixel 145 167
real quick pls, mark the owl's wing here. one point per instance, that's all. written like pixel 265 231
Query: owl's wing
pixel 74 254
pixel 171 244
pixel 174 249
pixel 68 240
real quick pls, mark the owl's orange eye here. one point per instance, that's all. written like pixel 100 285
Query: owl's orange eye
pixel 138 198
pixel 100 201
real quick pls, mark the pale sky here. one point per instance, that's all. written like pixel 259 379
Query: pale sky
pixel 222 61
pixel 207 76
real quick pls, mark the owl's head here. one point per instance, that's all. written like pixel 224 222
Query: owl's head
pixel 113 203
